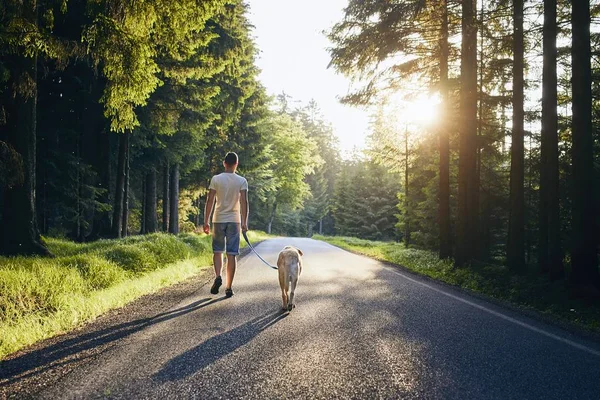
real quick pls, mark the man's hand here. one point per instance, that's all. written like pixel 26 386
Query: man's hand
pixel 244 228
pixel 207 228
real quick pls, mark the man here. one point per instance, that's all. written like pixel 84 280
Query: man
pixel 231 213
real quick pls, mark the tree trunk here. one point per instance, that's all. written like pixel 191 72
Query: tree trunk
pixel 143 218
pixel 480 155
pixel 174 202
pixel 117 223
pixel 516 225
pixel 467 186
pixel 406 201
pixel 550 248
pixel 198 219
pixel 102 221
pixel 444 182
pixel 19 231
pixel 583 252
pixel 124 228
pixel 151 222
pixel 271 218
pixel 165 198
pixel 78 233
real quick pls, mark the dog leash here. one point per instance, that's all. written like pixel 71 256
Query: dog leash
pixel 255 252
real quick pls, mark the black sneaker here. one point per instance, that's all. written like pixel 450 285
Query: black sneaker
pixel 215 287
pixel 228 293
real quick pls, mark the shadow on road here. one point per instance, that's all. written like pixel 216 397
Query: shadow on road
pixel 216 347
pixel 72 349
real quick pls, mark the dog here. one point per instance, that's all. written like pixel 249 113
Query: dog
pixel 289 264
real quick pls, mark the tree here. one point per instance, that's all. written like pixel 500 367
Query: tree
pixel 445 250
pixel 584 263
pixel 321 180
pixel 466 238
pixel 294 157
pixel 516 227
pixel 550 254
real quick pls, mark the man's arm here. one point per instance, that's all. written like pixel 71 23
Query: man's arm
pixel 245 209
pixel 210 201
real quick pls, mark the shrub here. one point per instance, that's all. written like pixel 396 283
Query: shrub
pixel 132 258
pixel 98 272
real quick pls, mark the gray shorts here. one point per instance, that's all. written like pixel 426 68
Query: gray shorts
pixel 226 238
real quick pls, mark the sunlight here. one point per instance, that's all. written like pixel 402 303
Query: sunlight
pixel 418 112
pixel 423 110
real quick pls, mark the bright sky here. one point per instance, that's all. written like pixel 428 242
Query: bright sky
pixel 293 58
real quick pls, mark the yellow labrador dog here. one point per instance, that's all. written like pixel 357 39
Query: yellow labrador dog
pixel 289 264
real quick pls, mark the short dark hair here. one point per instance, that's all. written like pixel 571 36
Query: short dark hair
pixel 231 159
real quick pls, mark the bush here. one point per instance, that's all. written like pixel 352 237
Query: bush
pixel 98 272
pixel 197 243
pixel 133 258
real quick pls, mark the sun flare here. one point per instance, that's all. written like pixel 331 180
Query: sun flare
pixel 421 111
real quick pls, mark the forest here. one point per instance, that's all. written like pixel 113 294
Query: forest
pixel 115 114
pixel 509 172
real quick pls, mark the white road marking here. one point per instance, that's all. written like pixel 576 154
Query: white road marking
pixel 500 315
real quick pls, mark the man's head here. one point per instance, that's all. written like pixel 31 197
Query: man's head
pixel 231 160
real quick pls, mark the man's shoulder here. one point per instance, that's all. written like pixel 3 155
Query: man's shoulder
pixel 243 180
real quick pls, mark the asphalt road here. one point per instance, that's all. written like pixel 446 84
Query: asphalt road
pixel 361 330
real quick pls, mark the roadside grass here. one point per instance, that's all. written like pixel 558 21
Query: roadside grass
pixel 42 297
pixel 529 292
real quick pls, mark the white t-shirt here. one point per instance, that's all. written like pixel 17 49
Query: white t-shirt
pixel 228 186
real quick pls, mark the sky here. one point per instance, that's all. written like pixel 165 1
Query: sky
pixel 293 58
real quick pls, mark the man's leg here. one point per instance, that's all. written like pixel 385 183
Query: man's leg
pixel 233 249
pixel 231 265
pixel 218 246
pixel 218 263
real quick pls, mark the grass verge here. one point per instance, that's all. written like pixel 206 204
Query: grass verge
pixel 529 292
pixel 42 297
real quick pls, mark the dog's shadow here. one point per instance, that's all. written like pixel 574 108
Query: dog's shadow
pixel 216 347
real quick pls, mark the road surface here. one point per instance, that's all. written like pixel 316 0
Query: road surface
pixel 361 330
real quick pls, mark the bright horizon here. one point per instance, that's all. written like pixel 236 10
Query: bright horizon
pixel 293 58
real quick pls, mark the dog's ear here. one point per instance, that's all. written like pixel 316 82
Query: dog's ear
pixel 300 251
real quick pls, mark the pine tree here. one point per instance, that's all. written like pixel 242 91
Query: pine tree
pixel 516 228
pixel 584 261
pixel 467 189
pixel 550 256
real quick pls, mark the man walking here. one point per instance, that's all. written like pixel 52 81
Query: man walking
pixel 228 192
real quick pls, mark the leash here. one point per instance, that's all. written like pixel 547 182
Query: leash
pixel 255 252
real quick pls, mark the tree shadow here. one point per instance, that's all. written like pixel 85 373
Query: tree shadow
pixel 68 350
pixel 216 347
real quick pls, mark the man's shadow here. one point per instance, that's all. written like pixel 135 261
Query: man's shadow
pixel 67 351
pixel 216 347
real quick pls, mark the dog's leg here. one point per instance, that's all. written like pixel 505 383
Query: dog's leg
pixel 293 283
pixel 283 284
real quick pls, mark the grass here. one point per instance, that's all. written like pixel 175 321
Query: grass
pixel 528 292
pixel 42 297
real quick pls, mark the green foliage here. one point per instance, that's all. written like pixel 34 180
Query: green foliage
pixel 98 272
pixel 383 45
pixel 132 258
pixel 126 42
pixel 364 200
